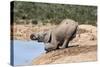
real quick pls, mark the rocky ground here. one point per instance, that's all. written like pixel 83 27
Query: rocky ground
pixel 82 48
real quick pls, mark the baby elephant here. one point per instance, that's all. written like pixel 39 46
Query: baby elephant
pixel 59 37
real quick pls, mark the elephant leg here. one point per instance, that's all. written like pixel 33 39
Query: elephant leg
pixel 49 47
pixel 73 36
pixel 65 44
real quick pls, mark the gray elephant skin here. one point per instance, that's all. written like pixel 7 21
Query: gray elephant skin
pixel 59 37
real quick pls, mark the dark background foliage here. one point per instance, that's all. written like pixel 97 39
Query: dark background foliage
pixel 53 13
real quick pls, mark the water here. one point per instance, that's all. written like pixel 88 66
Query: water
pixel 26 51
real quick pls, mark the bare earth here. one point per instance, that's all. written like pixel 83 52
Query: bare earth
pixel 72 54
pixel 82 48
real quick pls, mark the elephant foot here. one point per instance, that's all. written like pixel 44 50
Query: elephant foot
pixel 49 49
pixel 62 47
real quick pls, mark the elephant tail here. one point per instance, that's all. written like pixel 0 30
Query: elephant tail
pixel 78 31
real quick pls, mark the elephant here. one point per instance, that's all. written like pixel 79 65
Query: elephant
pixel 58 37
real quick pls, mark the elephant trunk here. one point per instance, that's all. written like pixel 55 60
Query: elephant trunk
pixel 33 37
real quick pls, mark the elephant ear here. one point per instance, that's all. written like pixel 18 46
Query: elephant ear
pixel 47 37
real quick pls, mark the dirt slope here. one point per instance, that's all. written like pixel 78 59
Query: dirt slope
pixel 81 48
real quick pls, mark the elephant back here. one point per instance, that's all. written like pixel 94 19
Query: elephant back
pixel 69 21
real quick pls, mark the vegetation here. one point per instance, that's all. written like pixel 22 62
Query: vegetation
pixel 53 13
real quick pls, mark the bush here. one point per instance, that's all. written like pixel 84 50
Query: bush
pixel 54 12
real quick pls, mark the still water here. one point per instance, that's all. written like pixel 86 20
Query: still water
pixel 26 51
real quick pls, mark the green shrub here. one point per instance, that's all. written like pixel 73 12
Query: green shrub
pixel 55 13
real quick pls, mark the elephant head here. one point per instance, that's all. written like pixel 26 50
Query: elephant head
pixel 41 36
